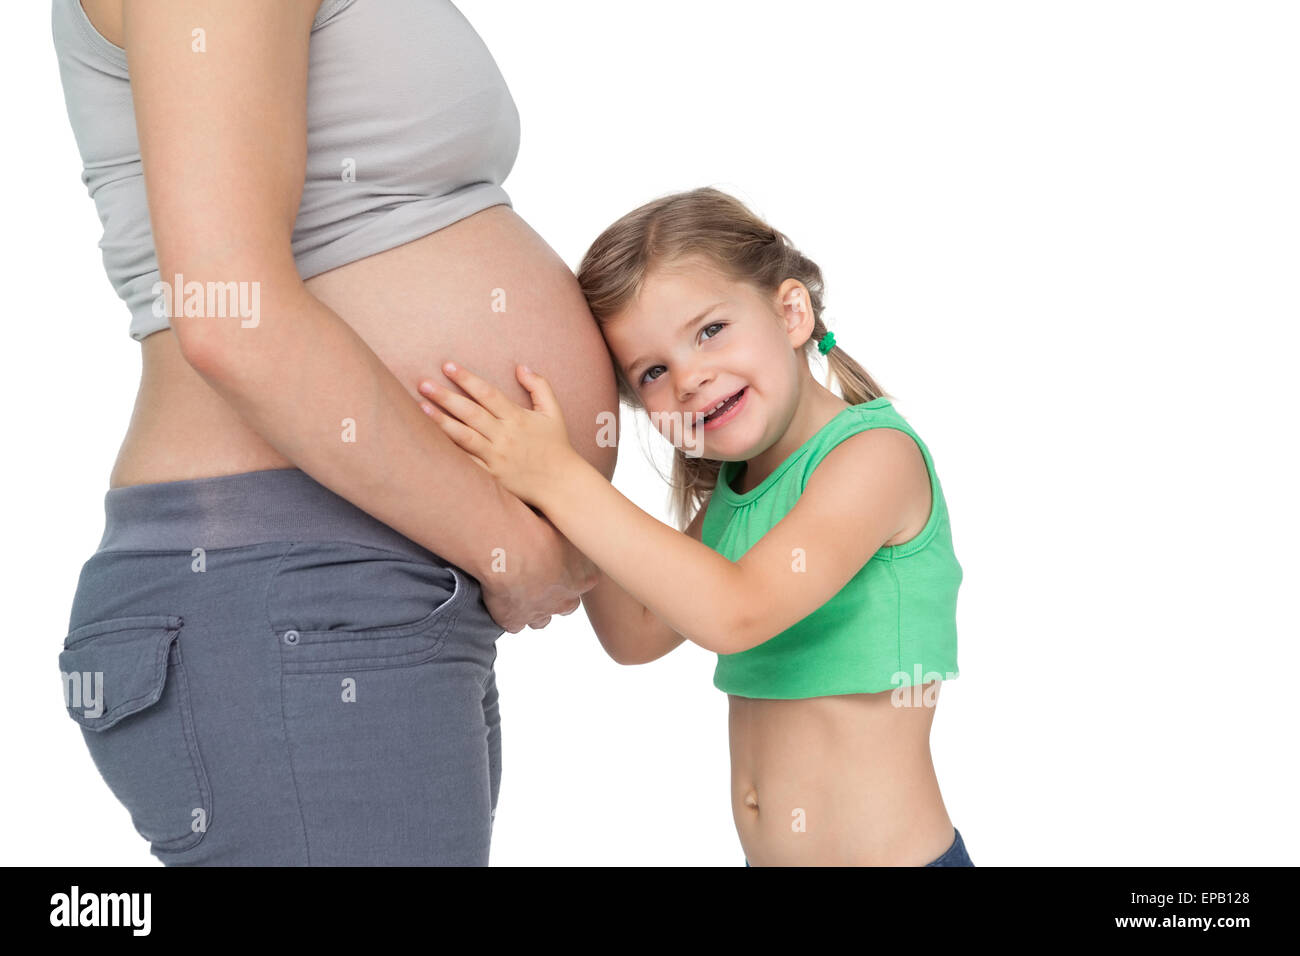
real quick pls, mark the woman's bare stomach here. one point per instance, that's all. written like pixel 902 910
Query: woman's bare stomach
pixel 827 781
pixel 486 291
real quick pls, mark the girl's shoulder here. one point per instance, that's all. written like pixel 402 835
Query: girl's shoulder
pixel 875 470
pixel 873 434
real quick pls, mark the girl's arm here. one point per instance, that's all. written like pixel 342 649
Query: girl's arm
pixel 628 630
pixel 856 499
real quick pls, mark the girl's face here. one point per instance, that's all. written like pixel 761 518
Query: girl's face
pixel 694 339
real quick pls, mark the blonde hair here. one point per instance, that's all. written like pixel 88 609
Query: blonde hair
pixel 708 223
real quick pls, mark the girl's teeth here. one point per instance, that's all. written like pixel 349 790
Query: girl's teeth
pixel 713 411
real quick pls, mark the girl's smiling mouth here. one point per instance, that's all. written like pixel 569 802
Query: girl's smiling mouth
pixel 729 410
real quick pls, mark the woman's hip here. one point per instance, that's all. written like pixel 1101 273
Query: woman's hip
pixel 271 567
pixel 253 656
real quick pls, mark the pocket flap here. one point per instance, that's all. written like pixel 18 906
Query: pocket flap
pixel 112 669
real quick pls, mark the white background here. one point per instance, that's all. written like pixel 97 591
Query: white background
pixel 1064 235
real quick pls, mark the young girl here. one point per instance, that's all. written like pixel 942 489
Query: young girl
pixel 818 560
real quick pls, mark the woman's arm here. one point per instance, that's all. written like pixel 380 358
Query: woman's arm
pixel 627 629
pixel 223 142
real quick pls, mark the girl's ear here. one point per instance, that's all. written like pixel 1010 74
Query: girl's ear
pixel 797 311
pixel 795 298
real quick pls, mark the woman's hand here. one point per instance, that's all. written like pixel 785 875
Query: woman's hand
pixel 524 449
pixel 551 580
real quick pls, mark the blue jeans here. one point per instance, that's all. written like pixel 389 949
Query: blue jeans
pixel 264 674
pixel 955 855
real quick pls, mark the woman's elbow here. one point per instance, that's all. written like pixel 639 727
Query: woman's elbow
pixel 195 347
pixel 220 322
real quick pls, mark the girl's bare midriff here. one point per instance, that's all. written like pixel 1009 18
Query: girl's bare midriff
pixel 486 291
pixel 844 780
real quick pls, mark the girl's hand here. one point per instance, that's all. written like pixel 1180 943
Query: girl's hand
pixel 523 448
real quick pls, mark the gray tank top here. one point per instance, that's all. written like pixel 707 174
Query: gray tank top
pixel 410 127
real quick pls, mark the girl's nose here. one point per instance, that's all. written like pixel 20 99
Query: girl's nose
pixel 689 383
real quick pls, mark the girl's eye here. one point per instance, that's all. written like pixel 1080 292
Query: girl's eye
pixel 711 325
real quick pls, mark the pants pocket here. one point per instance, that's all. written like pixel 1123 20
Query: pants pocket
pixel 344 608
pixel 124 683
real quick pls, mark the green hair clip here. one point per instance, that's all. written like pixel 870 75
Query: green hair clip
pixel 827 343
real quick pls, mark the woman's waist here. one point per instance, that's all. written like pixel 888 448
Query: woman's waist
pixel 240 510
pixel 181 429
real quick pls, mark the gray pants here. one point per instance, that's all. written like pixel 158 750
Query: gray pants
pixel 264 674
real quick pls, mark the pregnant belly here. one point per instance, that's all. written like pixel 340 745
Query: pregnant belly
pixel 487 292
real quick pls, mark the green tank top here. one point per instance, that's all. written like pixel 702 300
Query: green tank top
pixel 893 624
